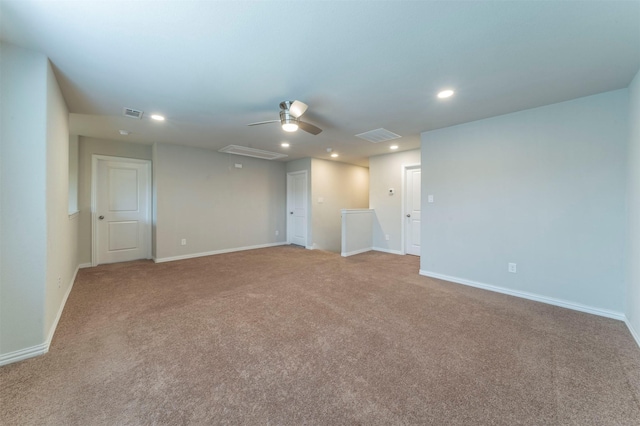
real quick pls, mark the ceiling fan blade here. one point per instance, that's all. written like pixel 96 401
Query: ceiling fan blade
pixel 297 108
pixel 309 128
pixel 263 122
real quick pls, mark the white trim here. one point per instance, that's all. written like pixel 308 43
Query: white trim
pixel 43 348
pixel 354 252
pixel 73 215
pixel 308 247
pixel 403 197
pixel 531 296
pixel 632 330
pixel 85 265
pixel 384 250
pixel 94 200
pixel 211 253
pixel 22 354
pixel 356 211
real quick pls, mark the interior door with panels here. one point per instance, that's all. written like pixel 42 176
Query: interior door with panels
pixel 122 210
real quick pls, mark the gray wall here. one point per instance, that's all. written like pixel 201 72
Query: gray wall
pixel 385 171
pixel 203 198
pixel 632 309
pixel 335 186
pixel 544 188
pixel 23 239
pixel 38 251
pixel 87 148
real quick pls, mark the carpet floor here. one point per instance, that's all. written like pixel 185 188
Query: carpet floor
pixel 288 336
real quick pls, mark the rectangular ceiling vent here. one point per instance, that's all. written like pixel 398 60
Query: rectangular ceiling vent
pixel 378 135
pixel 251 152
pixel 132 113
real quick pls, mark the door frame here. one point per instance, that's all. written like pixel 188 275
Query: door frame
pixel 94 200
pixel 404 168
pixel 306 190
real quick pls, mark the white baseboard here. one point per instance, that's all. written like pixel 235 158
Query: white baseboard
pixel 211 253
pixel 632 330
pixel 531 296
pixel 43 348
pixel 85 265
pixel 23 354
pixel 384 250
pixel 354 252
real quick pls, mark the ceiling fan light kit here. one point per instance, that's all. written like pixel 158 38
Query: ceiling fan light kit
pixel 290 112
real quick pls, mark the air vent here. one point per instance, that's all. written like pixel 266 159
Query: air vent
pixel 132 113
pixel 378 135
pixel 251 152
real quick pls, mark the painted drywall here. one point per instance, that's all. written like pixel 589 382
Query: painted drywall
pixel 335 186
pixel 385 172
pixel 543 188
pixel 203 198
pixel 23 85
pixel 632 308
pixel 62 231
pixel 87 148
pixel 304 164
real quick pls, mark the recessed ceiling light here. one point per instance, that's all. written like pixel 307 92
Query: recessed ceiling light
pixel 445 94
pixel 157 117
pixel 284 145
pixel 124 132
pixel 334 155
pixel 393 147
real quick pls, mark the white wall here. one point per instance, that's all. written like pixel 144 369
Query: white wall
pixel 385 171
pixel 38 248
pixel 632 308
pixel 335 186
pixel 203 198
pixel 543 188
pixel 62 230
pixel 23 85
pixel 87 148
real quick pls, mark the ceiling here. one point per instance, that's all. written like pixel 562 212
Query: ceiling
pixel 211 67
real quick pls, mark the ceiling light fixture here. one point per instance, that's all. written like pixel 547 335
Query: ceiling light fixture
pixel 124 132
pixel 289 127
pixel 157 117
pixel 284 145
pixel 445 94
pixel 289 122
pixel 334 155
pixel 393 147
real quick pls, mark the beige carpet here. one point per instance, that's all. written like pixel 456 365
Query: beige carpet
pixel 287 336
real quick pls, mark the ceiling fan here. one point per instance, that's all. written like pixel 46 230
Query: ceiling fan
pixel 290 112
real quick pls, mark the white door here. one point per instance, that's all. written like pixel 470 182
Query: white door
pixel 412 211
pixel 297 208
pixel 121 209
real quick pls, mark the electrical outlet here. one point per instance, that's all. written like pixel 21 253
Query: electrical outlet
pixel 429 198
pixel 512 268
pixel 386 237
pixel 277 233
pixel 183 242
pixel 59 282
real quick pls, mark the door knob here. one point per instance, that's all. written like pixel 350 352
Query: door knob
pixel 100 217
pixel 408 215
pixel 290 212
